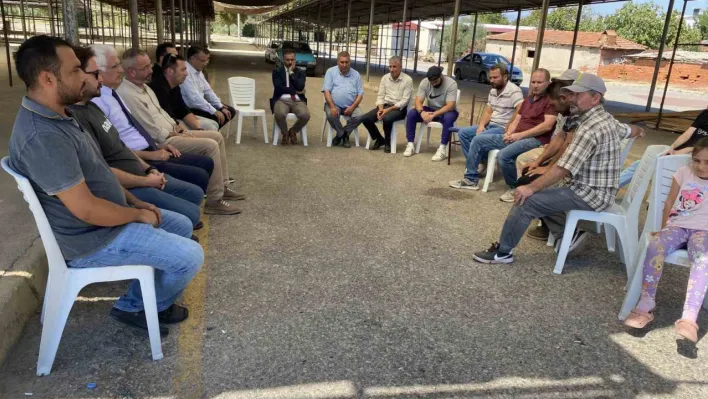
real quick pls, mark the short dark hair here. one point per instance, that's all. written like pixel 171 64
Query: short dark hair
pixel 84 54
pixel 343 54
pixel 554 88
pixel 194 50
pixel 38 54
pixel 699 146
pixel 288 51
pixel 170 61
pixel 161 49
pixel 501 67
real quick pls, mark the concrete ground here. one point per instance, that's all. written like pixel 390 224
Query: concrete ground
pixel 348 275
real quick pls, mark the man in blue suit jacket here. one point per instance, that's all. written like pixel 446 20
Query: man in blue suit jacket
pixel 289 97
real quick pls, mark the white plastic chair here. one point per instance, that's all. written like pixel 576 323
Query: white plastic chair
pixel 491 164
pixel 326 125
pixel 64 284
pixel 242 92
pixel 289 118
pixel 666 166
pixel 622 219
pixel 402 122
pixel 438 125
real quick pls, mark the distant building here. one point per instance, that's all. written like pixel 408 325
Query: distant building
pixel 691 18
pixel 592 49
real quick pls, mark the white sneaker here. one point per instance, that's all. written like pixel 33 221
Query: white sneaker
pixel 410 148
pixel 441 154
pixel 508 196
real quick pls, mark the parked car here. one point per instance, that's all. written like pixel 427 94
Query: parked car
pixel 271 52
pixel 477 65
pixel 304 59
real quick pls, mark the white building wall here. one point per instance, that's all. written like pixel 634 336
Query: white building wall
pixel 555 58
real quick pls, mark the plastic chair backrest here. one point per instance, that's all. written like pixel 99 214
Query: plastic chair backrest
pixel 54 255
pixel 625 151
pixel 242 92
pixel 632 201
pixel 666 166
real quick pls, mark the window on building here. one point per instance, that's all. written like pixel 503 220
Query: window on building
pixel 530 53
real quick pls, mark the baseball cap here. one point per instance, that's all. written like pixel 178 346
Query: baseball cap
pixel 568 75
pixel 434 72
pixel 586 82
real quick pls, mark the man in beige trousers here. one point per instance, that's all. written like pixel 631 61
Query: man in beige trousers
pixel 145 107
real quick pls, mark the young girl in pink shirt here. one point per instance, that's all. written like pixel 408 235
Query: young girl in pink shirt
pixel 685 225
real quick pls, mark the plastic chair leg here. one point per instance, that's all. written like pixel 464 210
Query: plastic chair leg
pixel 329 135
pixel 147 287
pixel 634 285
pixel 368 142
pixel 570 224
pixel 551 242
pixel 491 165
pixel 393 139
pixel 303 133
pixel 255 125
pixel 276 132
pixel 324 123
pixel 265 128
pixel 356 136
pixel 610 234
pixel 427 140
pixel 419 138
pixel 239 125
pixel 228 129
pixel 60 298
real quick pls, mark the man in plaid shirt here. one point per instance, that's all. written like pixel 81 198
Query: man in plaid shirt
pixel 590 168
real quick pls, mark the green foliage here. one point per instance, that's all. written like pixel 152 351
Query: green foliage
pixel 248 30
pixel 563 18
pixel 225 20
pixel 465 29
pixel 644 23
pixel 494 18
pixel 702 24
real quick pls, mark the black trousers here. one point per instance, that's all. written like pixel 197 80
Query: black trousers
pixel 204 114
pixel 192 168
pixel 369 121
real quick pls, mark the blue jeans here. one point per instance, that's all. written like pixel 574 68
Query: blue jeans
pixel 506 158
pixel 175 257
pixel 626 175
pixel 467 134
pixel 178 196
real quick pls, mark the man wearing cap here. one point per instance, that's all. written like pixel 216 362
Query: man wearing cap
pixel 441 94
pixel 343 91
pixel 532 127
pixel 590 167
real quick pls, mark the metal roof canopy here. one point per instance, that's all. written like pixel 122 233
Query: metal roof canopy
pixel 423 9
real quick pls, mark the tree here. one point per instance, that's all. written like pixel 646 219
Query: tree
pixel 563 18
pixel 494 18
pixel 702 24
pixel 464 37
pixel 644 24
pixel 227 18
pixel 248 30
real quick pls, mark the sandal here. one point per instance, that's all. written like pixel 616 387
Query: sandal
pixel 639 319
pixel 687 329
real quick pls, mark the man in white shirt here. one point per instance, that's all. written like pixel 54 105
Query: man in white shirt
pixel 197 93
pixel 145 107
pixel 395 92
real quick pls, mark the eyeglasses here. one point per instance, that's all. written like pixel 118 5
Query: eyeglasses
pixel 204 61
pixel 94 73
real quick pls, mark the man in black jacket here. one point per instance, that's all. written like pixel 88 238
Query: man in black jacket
pixel 289 97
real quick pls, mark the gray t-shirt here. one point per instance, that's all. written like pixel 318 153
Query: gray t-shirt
pixel 55 155
pixel 113 150
pixel 438 96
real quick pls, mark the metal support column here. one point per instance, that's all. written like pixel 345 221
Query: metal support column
pixel 134 28
pixel 369 36
pixel 474 36
pixel 442 36
pixel 516 38
pixel 659 56
pixel 172 22
pixel 22 18
pixel 671 63
pixel 349 16
pixel 71 26
pixel 183 50
pixel 8 58
pixel 539 35
pixel 402 29
pixel 331 20
pixel 451 55
pixel 417 48
pixel 159 22
pixel 575 33
pixel 51 18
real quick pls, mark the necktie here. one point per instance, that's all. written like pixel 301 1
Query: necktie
pixel 152 145
pixel 287 82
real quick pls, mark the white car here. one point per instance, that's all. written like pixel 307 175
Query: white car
pixel 271 52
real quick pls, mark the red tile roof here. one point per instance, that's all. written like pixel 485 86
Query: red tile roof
pixel 585 39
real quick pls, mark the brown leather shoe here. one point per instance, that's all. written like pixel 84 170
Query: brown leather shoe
pixel 232 195
pixel 293 136
pixel 220 207
pixel 284 138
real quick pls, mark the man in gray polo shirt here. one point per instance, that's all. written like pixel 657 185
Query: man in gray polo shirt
pixel 96 222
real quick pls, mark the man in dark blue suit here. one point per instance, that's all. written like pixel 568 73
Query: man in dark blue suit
pixel 289 97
